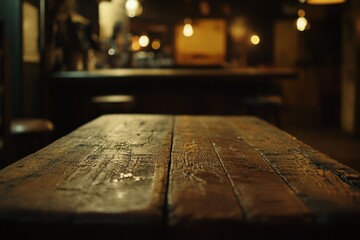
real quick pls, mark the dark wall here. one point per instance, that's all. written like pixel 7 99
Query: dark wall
pixel 10 13
pixel 89 9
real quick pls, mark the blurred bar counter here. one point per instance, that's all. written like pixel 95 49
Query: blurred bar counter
pixel 182 74
pixel 161 91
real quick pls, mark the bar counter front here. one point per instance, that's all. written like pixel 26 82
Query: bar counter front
pixel 161 91
pixel 139 176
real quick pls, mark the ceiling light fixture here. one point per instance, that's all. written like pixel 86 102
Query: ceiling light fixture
pixel 133 8
pixel 188 29
pixel 324 2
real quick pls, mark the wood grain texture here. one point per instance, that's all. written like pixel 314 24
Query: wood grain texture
pixel 266 199
pixel 328 188
pixel 112 170
pixel 174 177
pixel 200 197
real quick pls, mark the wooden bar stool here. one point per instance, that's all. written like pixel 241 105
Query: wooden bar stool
pixel 267 107
pixel 107 104
pixel 31 125
pixel 25 136
pixel 29 135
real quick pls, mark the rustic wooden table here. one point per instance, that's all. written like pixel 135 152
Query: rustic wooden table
pixel 175 177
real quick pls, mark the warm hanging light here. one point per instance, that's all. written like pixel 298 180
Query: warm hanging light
pixel 188 29
pixel 301 24
pixel 133 8
pixel 144 41
pixel 255 39
pixel 156 44
pixel 324 2
pixel 135 45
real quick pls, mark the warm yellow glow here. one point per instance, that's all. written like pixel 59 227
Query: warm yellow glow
pixel 156 44
pixel 204 7
pixel 208 42
pixel 301 23
pixel 188 30
pixel 255 39
pixel 320 2
pixel 239 29
pixel 31 33
pixel 301 1
pixel 133 8
pixel 301 13
pixel 131 4
pixel 135 46
pixel 111 51
pixel 144 41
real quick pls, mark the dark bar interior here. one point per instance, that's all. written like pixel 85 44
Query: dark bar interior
pixel 195 119
pixel 179 57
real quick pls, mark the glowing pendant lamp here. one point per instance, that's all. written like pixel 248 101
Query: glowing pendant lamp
pixel 324 2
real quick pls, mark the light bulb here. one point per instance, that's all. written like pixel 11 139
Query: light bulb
pixel 188 29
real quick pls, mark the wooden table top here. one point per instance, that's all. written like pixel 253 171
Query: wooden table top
pixel 181 176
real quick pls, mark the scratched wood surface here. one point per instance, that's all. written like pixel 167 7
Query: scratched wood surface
pixel 330 190
pixel 110 171
pixel 201 198
pixel 176 177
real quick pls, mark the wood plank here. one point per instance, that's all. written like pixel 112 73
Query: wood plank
pixel 330 189
pixel 271 207
pixel 110 171
pixel 230 177
pixel 201 200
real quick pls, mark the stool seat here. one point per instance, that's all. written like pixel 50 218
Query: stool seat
pixel 265 106
pixel 29 135
pixel 113 103
pixel 31 125
pixel 113 99
pixel 264 100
